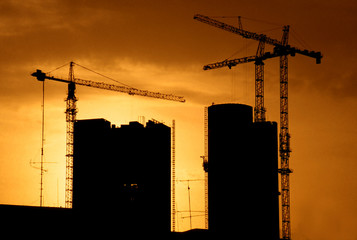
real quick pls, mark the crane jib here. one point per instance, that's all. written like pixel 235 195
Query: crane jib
pixel 259 37
pixel 41 76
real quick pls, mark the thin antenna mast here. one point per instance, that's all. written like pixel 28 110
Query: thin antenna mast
pixel 189 202
pixel 42 142
pixel 189 197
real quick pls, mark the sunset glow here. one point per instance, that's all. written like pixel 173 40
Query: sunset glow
pixel 157 46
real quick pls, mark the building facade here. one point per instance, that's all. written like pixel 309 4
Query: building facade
pixel 121 175
pixel 243 173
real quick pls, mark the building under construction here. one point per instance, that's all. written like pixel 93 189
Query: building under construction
pixel 242 165
pixel 121 175
pixel 121 184
pixel 243 190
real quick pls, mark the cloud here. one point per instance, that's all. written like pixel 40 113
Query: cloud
pixel 155 31
pixel 156 45
pixel 157 34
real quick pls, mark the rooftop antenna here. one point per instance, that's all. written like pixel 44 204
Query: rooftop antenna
pixel 189 196
pixel 42 161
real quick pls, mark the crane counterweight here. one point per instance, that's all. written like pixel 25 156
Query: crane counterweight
pixel 39 75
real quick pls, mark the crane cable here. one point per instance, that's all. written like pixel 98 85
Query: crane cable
pixel 88 69
pixel 251 19
pixel 103 75
pixel 299 39
pixel 58 68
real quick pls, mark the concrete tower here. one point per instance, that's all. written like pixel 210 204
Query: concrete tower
pixel 243 173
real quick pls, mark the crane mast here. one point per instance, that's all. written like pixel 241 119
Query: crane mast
pixel 259 109
pixel 71 113
pixel 282 50
pixel 205 164
pixel 173 174
pixel 284 139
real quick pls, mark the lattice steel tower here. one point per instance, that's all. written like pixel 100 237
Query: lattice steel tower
pixel 282 50
pixel 71 112
pixel 284 139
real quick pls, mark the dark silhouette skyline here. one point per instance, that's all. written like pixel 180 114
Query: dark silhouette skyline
pixel 157 45
pixel 122 182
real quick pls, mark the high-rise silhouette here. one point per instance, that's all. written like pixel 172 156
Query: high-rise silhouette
pixel 243 173
pixel 122 175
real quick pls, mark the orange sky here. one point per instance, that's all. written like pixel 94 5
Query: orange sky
pixel 156 45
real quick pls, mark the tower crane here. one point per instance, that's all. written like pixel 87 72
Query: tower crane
pixel 282 50
pixel 71 112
